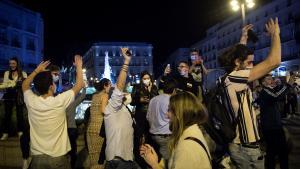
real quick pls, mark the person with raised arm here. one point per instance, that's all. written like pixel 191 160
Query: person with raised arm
pixel 47 117
pixel 119 124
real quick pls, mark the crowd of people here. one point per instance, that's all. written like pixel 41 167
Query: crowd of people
pixel 167 127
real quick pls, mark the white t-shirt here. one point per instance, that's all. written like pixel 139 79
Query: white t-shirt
pixel 48 125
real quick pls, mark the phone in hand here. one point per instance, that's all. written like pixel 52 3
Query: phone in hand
pixel 128 53
pixel 252 36
pixel 142 140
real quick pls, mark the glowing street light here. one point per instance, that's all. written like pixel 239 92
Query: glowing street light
pixel 237 4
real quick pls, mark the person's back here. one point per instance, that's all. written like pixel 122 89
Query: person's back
pixel 118 123
pixel 47 118
pixel 156 115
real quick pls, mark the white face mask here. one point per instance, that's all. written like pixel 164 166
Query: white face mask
pixel 184 72
pixel 128 99
pixel 146 82
pixel 55 78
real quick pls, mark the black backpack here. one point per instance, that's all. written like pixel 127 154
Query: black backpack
pixel 221 124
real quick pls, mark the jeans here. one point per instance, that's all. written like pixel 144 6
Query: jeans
pixel 246 158
pixel 121 164
pixel 48 162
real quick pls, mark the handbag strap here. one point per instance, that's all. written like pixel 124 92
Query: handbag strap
pixel 201 144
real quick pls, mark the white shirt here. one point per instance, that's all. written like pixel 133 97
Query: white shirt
pixel 188 153
pixel 157 114
pixel 48 125
pixel 8 82
pixel 118 128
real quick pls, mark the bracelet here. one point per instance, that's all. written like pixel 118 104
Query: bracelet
pixel 35 72
pixel 126 64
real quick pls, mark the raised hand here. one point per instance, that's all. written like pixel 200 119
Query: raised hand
pixel 246 29
pixel 125 55
pixel 167 70
pixel 273 27
pixel 244 36
pixel 77 61
pixel 42 66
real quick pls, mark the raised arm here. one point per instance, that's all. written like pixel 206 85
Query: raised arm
pixel 79 76
pixel 123 73
pixel 244 36
pixel 273 59
pixel 41 67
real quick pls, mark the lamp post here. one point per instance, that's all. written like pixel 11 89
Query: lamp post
pixel 242 4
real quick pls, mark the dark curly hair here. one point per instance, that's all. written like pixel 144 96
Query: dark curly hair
pixel 227 59
pixel 99 86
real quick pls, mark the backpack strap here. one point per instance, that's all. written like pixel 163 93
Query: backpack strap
pixel 201 144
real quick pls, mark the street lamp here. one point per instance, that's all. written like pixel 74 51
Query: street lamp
pixel 237 4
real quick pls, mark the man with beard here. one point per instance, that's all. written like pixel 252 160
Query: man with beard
pixel 238 61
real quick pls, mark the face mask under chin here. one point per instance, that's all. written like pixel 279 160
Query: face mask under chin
pixel 146 82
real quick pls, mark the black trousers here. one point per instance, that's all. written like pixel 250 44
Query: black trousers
pixel 73 134
pixel 24 143
pixel 276 147
pixel 8 108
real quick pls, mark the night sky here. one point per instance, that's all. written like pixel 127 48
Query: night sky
pixel 72 26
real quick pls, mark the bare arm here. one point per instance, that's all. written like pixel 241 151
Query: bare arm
pixel 273 59
pixel 205 71
pixel 42 67
pixel 244 36
pixel 104 102
pixel 123 73
pixel 79 76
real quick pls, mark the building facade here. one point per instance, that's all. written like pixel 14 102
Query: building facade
pixel 21 35
pixel 181 54
pixel 94 59
pixel 227 33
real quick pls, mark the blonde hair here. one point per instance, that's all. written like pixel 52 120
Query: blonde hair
pixel 186 110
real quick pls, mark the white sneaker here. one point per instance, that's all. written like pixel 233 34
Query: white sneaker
pixel 20 133
pixel 26 163
pixel 4 137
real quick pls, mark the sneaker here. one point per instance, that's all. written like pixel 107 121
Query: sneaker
pixel 26 163
pixel 20 133
pixel 4 137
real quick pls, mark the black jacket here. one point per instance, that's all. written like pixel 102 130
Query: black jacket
pixel 183 83
pixel 138 92
pixel 268 101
